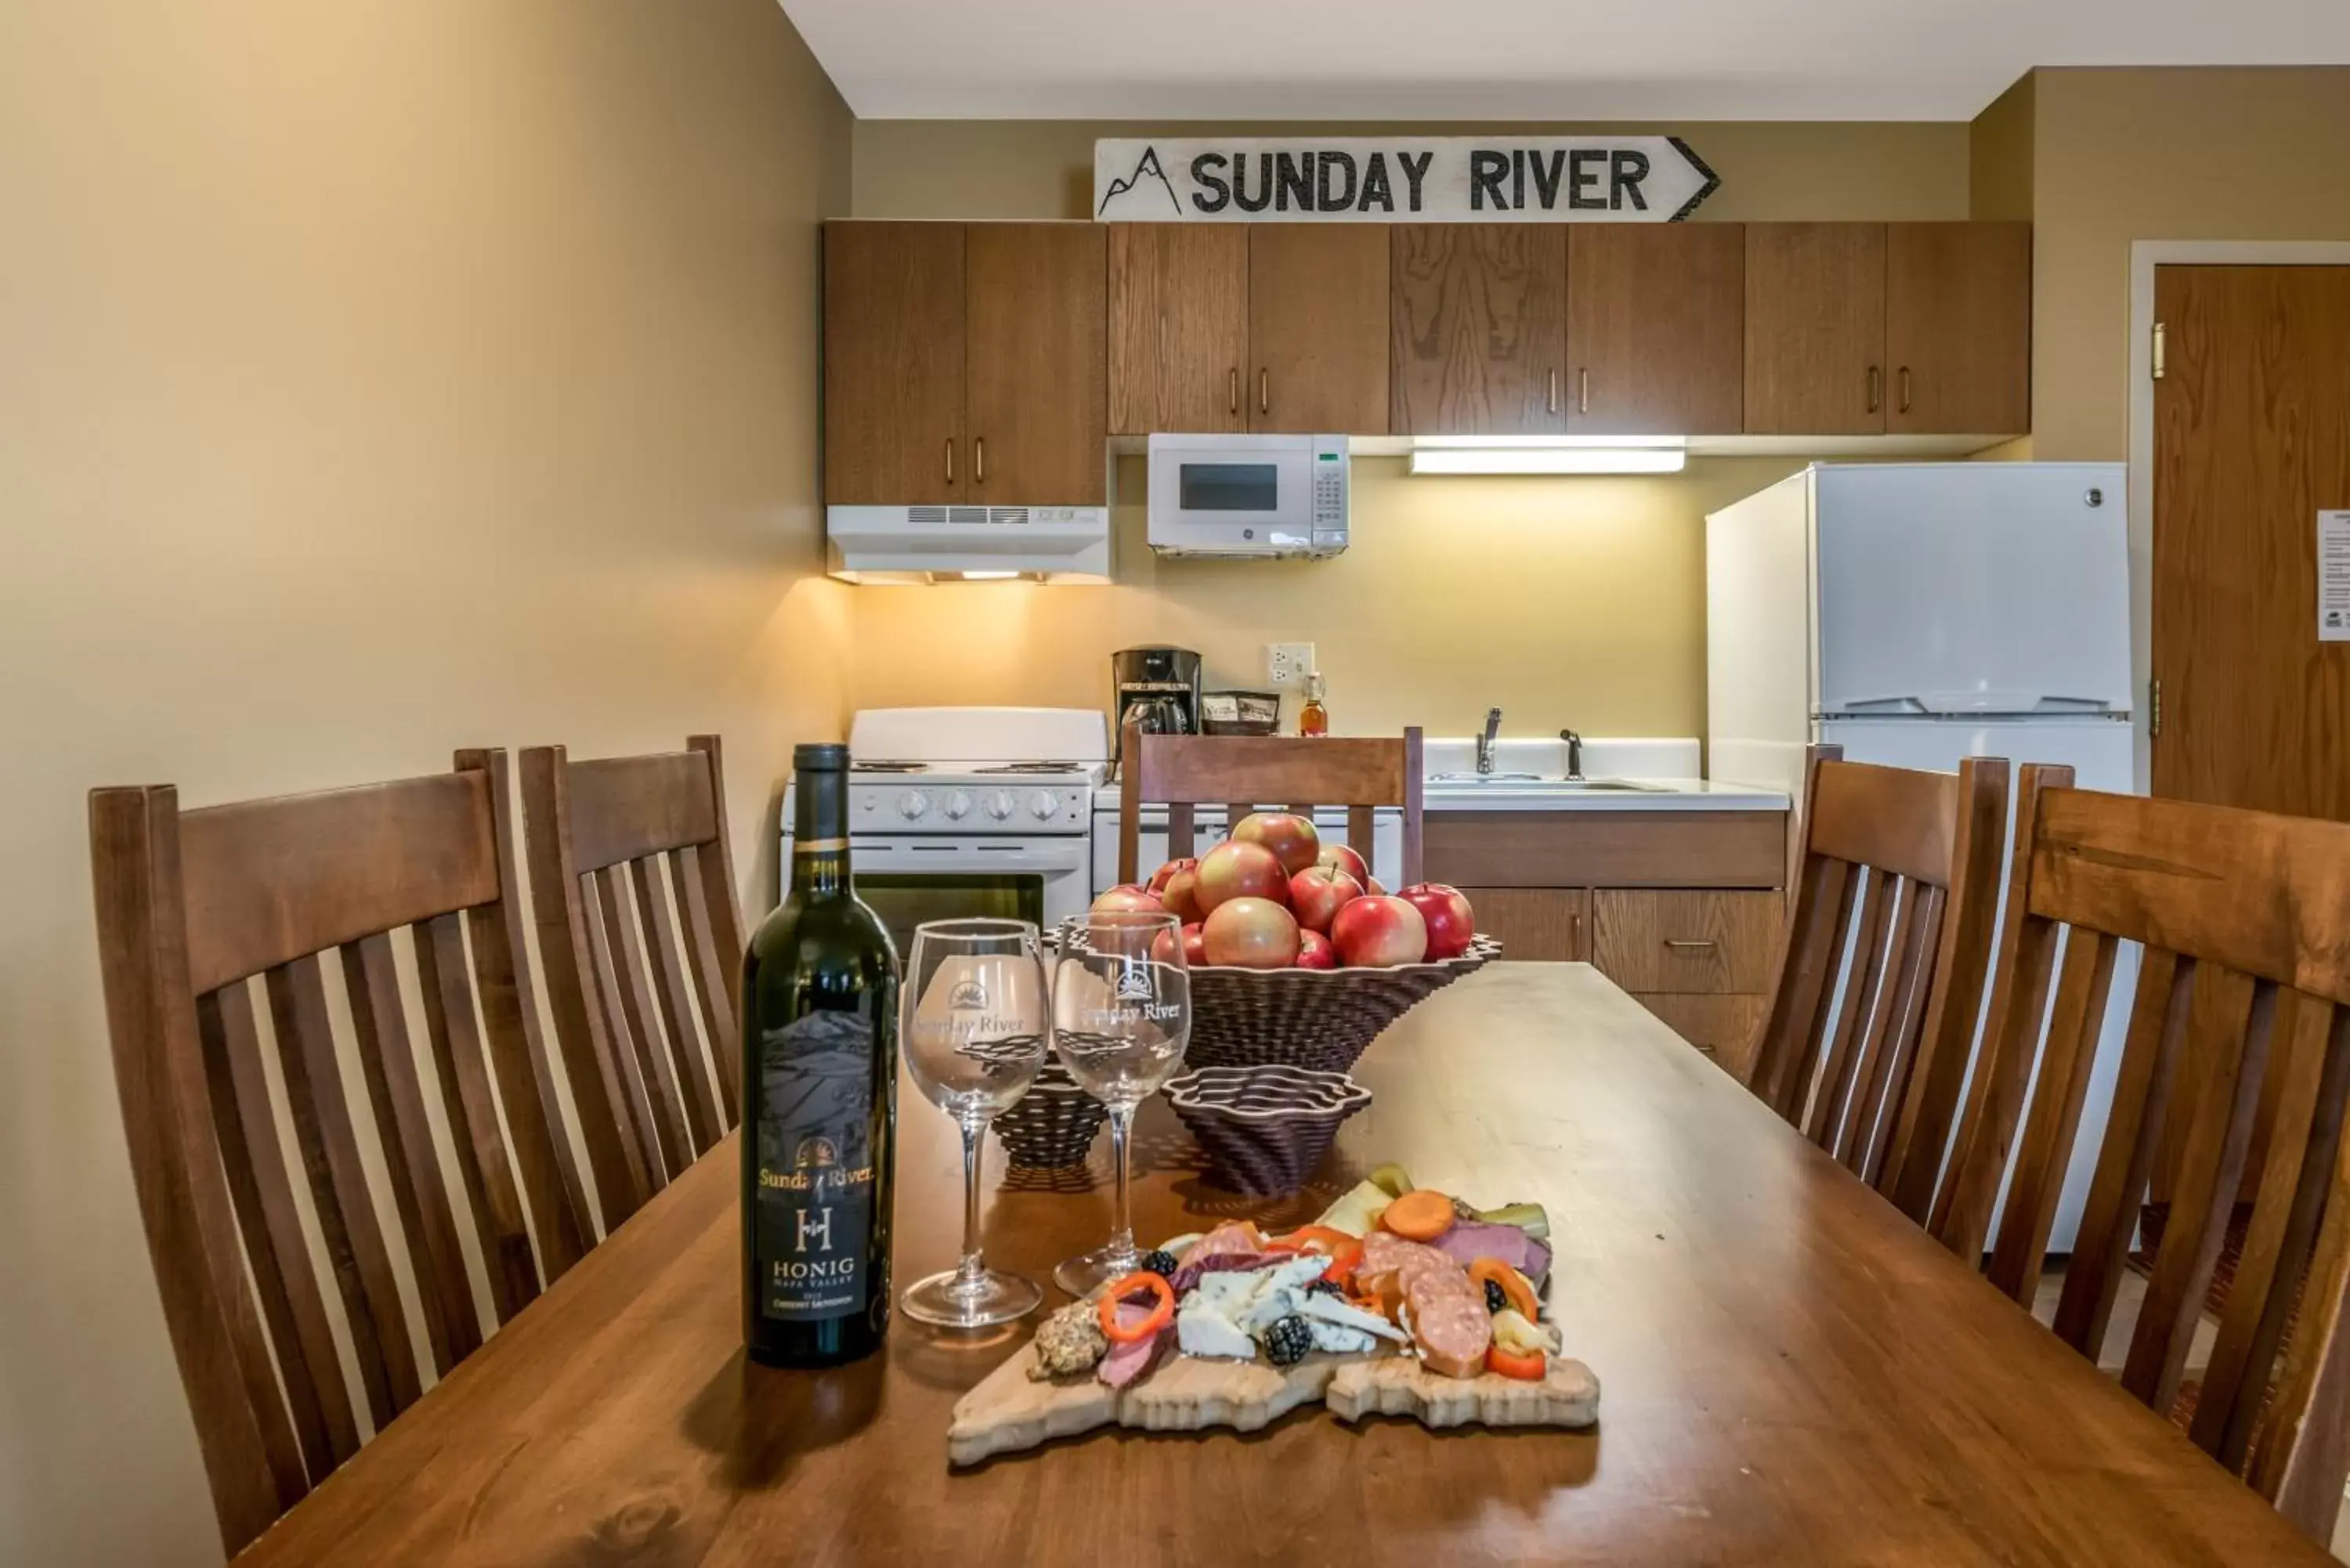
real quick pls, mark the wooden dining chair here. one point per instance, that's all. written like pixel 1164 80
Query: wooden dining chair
pixel 299 893
pixel 2240 1018
pixel 633 888
pixel 1289 773
pixel 1888 941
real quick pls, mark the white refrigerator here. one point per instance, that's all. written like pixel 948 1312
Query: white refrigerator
pixel 1916 614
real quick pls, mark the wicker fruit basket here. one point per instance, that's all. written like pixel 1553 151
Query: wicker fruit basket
pixel 1051 1125
pixel 1264 1128
pixel 1319 1019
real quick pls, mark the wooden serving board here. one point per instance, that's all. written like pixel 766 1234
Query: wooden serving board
pixel 1009 1410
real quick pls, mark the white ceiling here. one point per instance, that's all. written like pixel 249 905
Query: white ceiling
pixel 1517 59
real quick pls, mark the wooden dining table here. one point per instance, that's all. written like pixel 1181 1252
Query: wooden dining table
pixel 1791 1372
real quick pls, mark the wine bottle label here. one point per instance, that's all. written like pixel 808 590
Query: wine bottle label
pixel 815 1205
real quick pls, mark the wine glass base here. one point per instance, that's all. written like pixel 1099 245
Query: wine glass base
pixel 949 1301
pixel 1088 1272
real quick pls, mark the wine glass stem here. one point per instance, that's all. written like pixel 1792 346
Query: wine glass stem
pixel 969 1270
pixel 1121 1235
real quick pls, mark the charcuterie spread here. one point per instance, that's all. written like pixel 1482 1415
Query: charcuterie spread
pixel 1397 1300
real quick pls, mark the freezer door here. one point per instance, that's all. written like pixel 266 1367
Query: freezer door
pixel 1972 587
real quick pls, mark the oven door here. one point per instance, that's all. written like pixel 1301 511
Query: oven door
pixel 907 880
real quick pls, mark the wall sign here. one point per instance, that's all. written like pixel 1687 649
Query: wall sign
pixel 2333 576
pixel 1384 180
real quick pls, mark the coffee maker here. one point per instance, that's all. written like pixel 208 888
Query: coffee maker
pixel 1158 687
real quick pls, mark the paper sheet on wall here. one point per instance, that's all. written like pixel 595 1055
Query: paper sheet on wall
pixel 2333 576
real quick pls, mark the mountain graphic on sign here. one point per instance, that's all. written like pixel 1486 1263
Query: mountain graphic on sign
pixel 1147 164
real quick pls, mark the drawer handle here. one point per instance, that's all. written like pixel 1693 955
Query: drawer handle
pixel 1689 945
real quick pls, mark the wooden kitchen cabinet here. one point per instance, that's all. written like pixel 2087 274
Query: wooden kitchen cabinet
pixel 1654 340
pixel 1958 327
pixel 1318 329
pixel 1179 310
pixel 1478 328
pixel 893 364
pixel 1548 925
pixel 1712 941
pixel 1815 329
pixel 1034 357
pixel 1723 1027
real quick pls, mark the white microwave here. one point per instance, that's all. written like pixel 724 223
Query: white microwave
pixel 1248 496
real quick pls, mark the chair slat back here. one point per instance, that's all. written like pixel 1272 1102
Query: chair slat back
pixel 2237 1023
pixel 1871 1026
pixel 1285 773
pixel 306 894
pixel 632 885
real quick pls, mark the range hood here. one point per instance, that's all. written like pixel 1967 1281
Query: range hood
pixel 968 544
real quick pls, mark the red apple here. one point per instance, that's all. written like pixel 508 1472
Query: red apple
pixel 1375 931
pixel 1182 894
pixel 1317 893
pixel 1346 860
pixel 1234 870
pixel 1250 933
pixel 1166 874
pixel 1450 921
pixel 1314 951
pixel 1371 885
pixel 1289 836
pixel 1128 898
pixel 1195 947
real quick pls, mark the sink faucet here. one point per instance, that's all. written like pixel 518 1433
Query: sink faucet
pixel 1573 754
pixel 1485 741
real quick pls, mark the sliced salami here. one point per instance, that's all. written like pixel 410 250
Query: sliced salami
pixel 1448 1319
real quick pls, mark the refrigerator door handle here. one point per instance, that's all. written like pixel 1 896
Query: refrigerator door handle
pixel 1971 703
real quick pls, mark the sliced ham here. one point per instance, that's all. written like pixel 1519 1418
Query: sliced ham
pixel 1471 1239
pixel 1129 1359
pixel 1232 1239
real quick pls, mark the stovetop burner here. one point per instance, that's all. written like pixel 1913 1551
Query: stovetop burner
pixel 1033 768
pixel 860 765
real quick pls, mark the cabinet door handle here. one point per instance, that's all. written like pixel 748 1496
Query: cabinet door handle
pixel 1905 388
pixel 1583 391
pixel 949 460
pixel 1264 390
pixel 1236 390
pixel 1689 945
pixel 979 459
pixel 1551 403
pixel 1875 388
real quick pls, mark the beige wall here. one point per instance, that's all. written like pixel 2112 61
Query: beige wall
pixel 381 378
pixel 1568 602
pixel 2126 155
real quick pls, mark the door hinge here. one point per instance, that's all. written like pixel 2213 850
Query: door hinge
pixel 2158 346
pixel 2154 707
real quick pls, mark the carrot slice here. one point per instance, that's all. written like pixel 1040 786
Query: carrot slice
pixel 1418 1216
pixel 1514 1289
pixel 1526 1369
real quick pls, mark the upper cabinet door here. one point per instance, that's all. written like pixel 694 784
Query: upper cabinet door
pixel 1958 327
pixel 1816 329
pixel 1478 328
pixel 893 364
pixel 1177 327
pixel 1318 329
pixel 1652 328
pixel 1036 411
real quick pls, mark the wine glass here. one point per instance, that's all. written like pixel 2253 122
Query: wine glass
pixel 1121 1017
pixel 972 1019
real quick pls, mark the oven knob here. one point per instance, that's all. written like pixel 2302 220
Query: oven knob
pixel 1000 804
pixel 957 806
pixel 1043 806
pixel 912 804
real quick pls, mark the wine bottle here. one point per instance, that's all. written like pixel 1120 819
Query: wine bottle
pixel 819 1097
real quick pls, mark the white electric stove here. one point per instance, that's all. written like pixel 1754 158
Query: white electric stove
pixel 962 812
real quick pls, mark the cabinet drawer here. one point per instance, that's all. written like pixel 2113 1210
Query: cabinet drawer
pixel 1713 942
pixel 1550 925
pixel 1722 1026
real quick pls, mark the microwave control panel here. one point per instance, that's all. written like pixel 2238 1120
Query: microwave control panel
pixel 1328 466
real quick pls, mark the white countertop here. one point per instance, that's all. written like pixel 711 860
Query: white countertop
pixel 1654 795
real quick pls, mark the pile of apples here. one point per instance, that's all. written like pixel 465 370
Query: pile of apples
pixel 1272 895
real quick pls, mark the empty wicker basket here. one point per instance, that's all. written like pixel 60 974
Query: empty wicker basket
pixel 1264 1128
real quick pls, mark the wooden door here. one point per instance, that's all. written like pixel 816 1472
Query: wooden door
pixel 1653 340
pixel 1036 408
pixel 1958 327
pixel 1318 327
pixel 1177 327
pixel 893 363
pixel 1815 328
pixel 1478 328
pixel 1544 925
pixel 2251 439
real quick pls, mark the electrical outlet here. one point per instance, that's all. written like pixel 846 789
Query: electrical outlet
pixel 1286 664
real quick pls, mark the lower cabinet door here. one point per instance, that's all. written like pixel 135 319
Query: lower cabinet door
pixel 1544 924
pixel 1722 1026
pixel 1711 942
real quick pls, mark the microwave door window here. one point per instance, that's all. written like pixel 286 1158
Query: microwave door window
pixel 905 900
pixel 1229 487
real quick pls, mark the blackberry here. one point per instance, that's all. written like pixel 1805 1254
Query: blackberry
pixel 1324 1288
pixel 1494 1300
pixel 1287 1342
pixel 1160 1263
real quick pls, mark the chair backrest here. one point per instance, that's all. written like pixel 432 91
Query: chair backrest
pixel 1289 773
pixel 633 888
pixel 2240 1017
pixel 1872 1022
pixel 300 893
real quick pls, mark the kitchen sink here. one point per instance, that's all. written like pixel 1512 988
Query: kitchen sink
pixel 1611 787
pixel 1488 778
